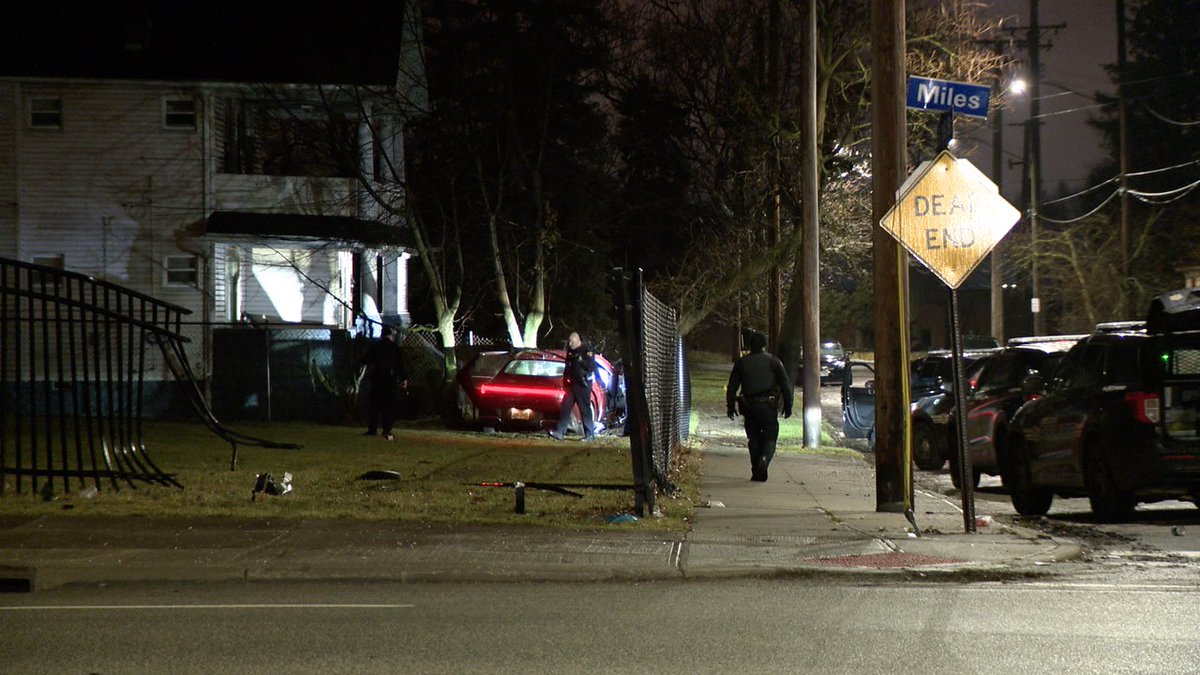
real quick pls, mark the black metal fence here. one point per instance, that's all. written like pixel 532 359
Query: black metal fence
pixel 82 361
pixel 73 355
pixel 658 387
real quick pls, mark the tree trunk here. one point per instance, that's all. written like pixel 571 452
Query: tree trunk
pixel 510 317
pixel 537 308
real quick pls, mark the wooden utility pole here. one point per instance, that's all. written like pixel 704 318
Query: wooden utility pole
pixel 1033 43
pixel 1123 151
pixel 893 474
pixel 997 289
pixel 810 276
pixel 775 288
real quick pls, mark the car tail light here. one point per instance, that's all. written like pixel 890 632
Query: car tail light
pixel 490 389
pixel 1146 407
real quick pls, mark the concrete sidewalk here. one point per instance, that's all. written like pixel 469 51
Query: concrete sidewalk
pixel 816 515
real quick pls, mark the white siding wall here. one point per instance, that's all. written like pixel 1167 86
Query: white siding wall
pixel 285 194
pixel 9 111
pixel 112 189
pixel 115 193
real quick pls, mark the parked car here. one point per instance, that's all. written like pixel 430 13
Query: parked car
pixel 931 384
pixel 999 393
pixel 934 430
pixel 523 389
pixel 833 362
pixel 1119 423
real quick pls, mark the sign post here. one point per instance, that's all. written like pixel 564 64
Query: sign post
pixel 950 216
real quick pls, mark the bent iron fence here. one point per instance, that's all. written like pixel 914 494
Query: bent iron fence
pixel 74 353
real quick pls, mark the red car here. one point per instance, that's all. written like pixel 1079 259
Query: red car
pixel 523 389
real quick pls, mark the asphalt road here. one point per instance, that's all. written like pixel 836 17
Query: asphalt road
pixel 1159 545
pixel 733 626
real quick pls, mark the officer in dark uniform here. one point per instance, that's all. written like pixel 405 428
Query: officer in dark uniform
pixel 577 380
pixel 756 385
pixel 385 367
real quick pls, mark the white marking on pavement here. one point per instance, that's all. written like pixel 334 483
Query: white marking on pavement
pixel 229 606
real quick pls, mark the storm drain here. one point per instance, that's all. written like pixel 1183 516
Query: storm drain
pixel 885 560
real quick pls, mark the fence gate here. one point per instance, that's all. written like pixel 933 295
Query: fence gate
pixel 73 358
pixel 658 387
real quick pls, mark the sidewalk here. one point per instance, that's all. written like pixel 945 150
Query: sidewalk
pixel 816 515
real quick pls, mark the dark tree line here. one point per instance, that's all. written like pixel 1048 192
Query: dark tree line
pixel 564 137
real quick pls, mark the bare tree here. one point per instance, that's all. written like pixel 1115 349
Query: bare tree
pixel 741 146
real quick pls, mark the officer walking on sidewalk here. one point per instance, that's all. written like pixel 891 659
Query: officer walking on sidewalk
pixel 756 384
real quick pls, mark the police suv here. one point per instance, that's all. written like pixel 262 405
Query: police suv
pixel 1119 422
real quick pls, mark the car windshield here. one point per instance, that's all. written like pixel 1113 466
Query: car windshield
pixel 488 364
pixel 831 349
pixel 535 368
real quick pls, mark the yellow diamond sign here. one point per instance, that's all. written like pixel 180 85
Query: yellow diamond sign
pixel 949 216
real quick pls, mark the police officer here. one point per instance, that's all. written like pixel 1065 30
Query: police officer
pixel 577 380
pixel 757 384
pixel 385 366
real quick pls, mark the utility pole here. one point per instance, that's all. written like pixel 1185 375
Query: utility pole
pixel 893 471
pixel 1123 151
pixel 1035 166
pixel 810 276
pixel 997 262
pixel 1033 145
pixel 775 288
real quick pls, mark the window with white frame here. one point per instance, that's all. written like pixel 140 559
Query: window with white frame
pixel 179 113
pixel 46 112
pixel 181 270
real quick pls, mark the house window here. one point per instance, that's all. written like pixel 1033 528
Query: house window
pixel 179 113
pixel 45 112
pixel 182 270
pixel 53 261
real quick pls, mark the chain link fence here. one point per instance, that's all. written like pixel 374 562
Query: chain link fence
pixel 316 373
pixel 658 387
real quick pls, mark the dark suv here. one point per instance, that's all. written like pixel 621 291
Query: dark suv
pixel 1119 423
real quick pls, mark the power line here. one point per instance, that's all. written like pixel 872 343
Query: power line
pixel 1084 191
pixel 1089 214
pixel 1166 119
pixel 1173 195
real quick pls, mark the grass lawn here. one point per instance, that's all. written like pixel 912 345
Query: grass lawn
pixel 440 470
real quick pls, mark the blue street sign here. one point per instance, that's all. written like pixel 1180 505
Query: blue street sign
pixel 942 95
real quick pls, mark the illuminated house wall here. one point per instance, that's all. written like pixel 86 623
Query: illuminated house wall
pixel 117 153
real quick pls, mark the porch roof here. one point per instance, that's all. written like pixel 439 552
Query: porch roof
pixel 303 229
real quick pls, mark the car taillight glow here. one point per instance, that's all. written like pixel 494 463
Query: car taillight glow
pixel 1145 406
pixel 490 389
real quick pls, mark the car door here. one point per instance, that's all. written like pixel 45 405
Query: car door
pixel 985 405
pixel 1058 421
pixel 858 400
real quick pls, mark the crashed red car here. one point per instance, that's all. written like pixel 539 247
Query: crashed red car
pixel 523 389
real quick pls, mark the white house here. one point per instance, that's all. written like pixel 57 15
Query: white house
pixel 220 156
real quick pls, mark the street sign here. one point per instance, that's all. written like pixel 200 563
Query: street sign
pixel 949 216
pixel 945 96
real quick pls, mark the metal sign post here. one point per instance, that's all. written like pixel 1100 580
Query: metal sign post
pixel 950 216
pixel 963 466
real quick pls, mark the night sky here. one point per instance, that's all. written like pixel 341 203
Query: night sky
pixel 1076 60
